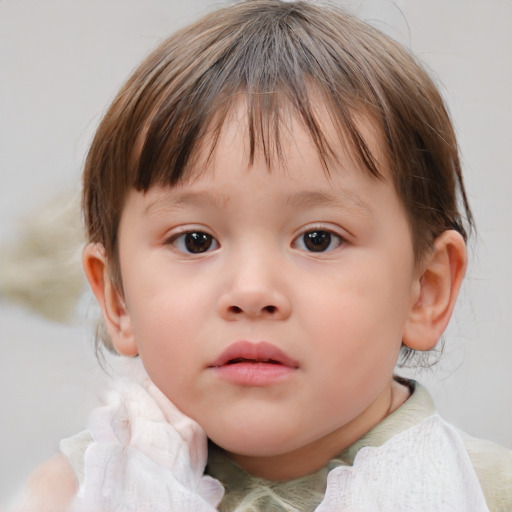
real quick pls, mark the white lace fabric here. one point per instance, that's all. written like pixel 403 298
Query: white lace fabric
pixel 146 456
pixel 422 469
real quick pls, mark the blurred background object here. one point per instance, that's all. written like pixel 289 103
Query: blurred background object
pixel 42 268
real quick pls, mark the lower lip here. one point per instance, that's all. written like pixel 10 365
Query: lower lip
pixel 254 374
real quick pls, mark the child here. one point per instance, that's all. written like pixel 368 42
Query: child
pixel 272 206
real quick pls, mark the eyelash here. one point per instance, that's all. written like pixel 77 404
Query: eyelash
pixel 328 241
pixel 180 241
pixel 322 239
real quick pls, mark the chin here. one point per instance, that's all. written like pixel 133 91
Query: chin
pixel 259 441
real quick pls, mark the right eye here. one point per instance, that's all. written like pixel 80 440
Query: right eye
pixel 194 242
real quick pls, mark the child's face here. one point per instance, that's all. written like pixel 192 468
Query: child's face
pixel 242 265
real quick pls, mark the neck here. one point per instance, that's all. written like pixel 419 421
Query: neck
pixel 314 456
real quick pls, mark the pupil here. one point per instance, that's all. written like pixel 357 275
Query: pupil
pixel 197 242
pixel 317 241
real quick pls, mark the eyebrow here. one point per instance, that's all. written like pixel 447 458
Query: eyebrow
pixel 341 199
pixel 307 199
pixel 214 199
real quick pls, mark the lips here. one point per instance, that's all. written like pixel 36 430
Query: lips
pixel 247 352
pixel 249 364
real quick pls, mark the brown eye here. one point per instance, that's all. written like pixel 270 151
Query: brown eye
pixel 198 242
pixel 318 240
pixel 195 242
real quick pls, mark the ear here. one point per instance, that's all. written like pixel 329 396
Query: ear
pixel 440 277
pixel 111 301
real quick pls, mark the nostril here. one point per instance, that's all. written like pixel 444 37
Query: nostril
pixel 267 309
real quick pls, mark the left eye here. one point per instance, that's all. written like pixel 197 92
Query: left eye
pixel 195 242
pixel 318 240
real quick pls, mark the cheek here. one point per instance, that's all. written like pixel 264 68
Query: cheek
pixel 165 339
pixel 360 314
pixel 167 362
pixel 168 318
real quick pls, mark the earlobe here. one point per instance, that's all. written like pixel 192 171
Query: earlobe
pixel 439 281
pixel 110 300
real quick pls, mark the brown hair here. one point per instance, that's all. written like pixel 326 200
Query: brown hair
pixel 277 55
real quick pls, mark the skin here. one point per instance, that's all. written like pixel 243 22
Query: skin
pixel 50 488
pixel 341 313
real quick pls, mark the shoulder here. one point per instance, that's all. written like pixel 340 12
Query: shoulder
pixel 493 466
pixel 51 488
pixel 492 462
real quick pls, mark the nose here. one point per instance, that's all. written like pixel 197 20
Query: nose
pixel 254 291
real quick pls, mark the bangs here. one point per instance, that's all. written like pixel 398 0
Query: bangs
pixel 272 63
pixel 171 156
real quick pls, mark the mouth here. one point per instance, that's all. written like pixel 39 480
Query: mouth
pixel 245 352
pixel 254 364
pixel 239 360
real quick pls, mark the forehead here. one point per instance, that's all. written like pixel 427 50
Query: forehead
pixel 295 174
pixel 281 141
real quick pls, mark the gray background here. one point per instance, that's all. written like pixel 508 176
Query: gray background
pixel 62 61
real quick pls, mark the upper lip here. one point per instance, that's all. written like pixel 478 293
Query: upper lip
pixel 259 352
